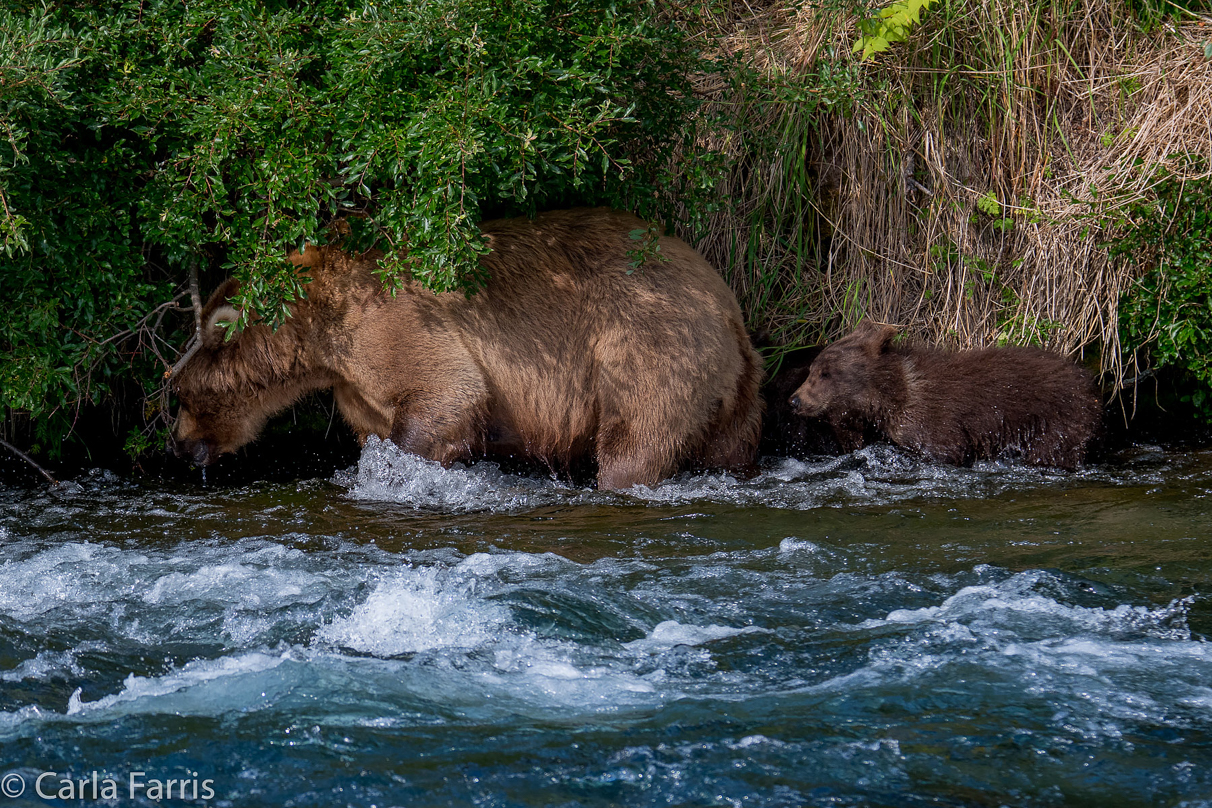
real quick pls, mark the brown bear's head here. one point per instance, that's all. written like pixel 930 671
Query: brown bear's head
pixel 234 381
pixel 845 377
pixel 222 401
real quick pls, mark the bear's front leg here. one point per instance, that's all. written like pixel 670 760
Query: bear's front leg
pixel 629 454
pixel 445 429
pixel 850 437
pixel 640 467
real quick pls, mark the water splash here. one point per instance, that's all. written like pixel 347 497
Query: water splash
pixel 387 473
pixel 872 476
pixel 671 633
pixel 413 610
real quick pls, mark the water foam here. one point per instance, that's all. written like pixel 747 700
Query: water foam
pixel 75 574
pixel 414 610
pixel 47 665
pixel 486 564
pixel 387 473
pixel 1015 603
pixel 474 651
pixel 670 633
pixel 451 612
pixel 200 687
pixel 875 475
pixel 543 671
pixel 1097 670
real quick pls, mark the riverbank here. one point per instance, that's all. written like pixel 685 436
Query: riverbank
pixel 1007 174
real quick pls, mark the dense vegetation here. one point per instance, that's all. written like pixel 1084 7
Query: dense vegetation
pixel 960 168
pixel 141 138
pixel 1169 312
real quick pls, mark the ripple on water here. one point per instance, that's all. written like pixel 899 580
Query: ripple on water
pixel 454 634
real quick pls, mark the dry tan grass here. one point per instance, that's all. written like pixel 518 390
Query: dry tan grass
pixel 1062 114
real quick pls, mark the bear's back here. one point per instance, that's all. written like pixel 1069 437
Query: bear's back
pixel 978 404
pixel 564 304
pixel 570 334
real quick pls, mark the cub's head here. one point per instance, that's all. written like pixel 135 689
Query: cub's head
pixel 220 410
pixel 845 376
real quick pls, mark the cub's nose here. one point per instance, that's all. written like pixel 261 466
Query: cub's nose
pixel 795 403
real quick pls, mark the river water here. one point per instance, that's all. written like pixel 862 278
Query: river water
pixel 867 630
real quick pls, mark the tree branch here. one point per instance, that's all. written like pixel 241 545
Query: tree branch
pixel 195 297
pixel 29 460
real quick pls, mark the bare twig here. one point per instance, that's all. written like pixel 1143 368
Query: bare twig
pixel 195 296
pixel 29 460
pixel 191 348
pixel 195 343
pixel 158 312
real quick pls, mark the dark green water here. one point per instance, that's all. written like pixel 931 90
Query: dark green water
pixel 868 630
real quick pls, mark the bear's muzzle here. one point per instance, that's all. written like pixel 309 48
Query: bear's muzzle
pixel 200 452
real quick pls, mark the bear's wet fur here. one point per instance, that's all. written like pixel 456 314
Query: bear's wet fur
pixel 569 353
pixel 954 407
pixel 784 432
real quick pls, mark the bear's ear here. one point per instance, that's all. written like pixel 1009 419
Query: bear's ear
pixel 215 333
pixel 887 334
pixel 309 256
pixel 876 338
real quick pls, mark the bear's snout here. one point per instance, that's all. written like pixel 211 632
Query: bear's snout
pixel 803 405
pixel 199 451
pixel 805 402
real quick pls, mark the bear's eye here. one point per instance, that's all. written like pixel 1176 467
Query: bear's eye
pixel 824 374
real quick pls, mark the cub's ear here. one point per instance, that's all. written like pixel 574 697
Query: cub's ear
pixel 214 333
pixel 887 334
pixel 876 338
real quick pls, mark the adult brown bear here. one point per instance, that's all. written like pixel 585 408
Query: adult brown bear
pixel 954 407
pixel 569 352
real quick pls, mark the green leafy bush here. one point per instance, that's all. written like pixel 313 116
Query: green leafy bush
pixel 1169 311
pixel 72 275
pixel 138 138
pixel 411 117
pixel 1151 14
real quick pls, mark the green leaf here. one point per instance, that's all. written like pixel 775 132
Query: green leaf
pixel 989 205
pixel 890 24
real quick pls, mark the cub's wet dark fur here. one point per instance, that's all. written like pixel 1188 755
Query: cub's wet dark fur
pixel 954 407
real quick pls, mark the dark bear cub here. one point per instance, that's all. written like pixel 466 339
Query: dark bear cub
pixel 954 407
